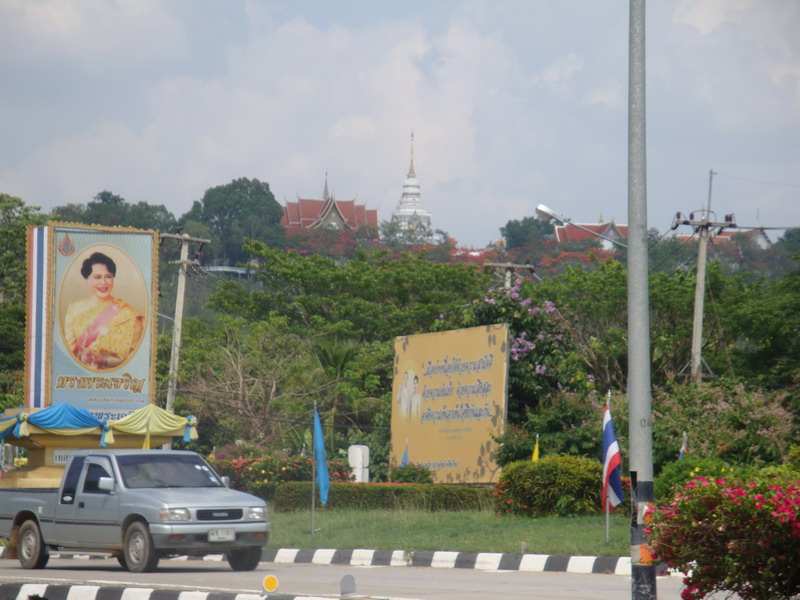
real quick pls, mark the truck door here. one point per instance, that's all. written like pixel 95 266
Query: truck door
pixel 96 518
pixel 98 509
pixel 65 506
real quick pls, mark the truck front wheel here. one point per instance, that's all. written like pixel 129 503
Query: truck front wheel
pixel 31 550
pixel 140 555
pixel 245 559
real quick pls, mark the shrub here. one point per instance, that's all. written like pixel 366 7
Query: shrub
pixel 556 485
pixel 724 420
pixel 260 476
pixel 673 476
pixel 732 536
pixel 514 444
pixel 297 496
pixel 411 473
pixel 241 449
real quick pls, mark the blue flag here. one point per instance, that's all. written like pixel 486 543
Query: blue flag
pixel 323 478
pixel 404 460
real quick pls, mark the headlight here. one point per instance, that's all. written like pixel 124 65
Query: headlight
pixel 174 514
pixel 257 513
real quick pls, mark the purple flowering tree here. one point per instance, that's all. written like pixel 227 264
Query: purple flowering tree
pixel 540 352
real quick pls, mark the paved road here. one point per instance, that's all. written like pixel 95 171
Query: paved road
pixel 325 580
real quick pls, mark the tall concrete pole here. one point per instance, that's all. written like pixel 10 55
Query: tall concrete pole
pixel 176 328
pixel 643 572
pixel 178 321
pixel 700 291
pixel 699 301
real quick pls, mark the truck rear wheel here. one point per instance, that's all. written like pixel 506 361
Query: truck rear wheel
pixel 139 554
pixel 30 547
pixel 245 559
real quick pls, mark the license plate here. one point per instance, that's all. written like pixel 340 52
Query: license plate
pixel 221 535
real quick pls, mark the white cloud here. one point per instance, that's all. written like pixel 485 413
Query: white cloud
pixel 512 103
pixel 559 77
pixel 608 95
pixel 91 35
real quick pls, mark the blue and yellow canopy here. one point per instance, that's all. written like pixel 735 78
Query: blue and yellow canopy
pixel 67 420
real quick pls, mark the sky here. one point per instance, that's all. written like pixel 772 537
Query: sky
pixel 511 103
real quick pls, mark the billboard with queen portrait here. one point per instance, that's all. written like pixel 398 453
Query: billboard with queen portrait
pixel 91 318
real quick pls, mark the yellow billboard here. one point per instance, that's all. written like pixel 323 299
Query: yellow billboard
pixel 449 401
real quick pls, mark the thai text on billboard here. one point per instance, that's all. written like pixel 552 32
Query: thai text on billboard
pixel 449 401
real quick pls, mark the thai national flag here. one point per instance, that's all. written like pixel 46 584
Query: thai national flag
pixel 612 463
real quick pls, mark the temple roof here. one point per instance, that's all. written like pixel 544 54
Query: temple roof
pixel 310 213
pixel 571 233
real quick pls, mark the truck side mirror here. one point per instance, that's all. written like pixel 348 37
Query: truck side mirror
pixel 105 484
pixel 226 481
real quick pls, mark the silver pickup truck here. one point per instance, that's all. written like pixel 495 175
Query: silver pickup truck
pixel 139 506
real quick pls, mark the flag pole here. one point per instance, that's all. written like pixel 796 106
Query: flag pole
pixel 313 476
pixel 605 507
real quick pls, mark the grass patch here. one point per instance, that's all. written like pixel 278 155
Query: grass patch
pixel 461 531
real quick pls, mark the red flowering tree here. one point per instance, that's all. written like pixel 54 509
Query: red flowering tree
pixel 732 536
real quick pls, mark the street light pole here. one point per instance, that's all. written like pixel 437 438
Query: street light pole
pixel 643 571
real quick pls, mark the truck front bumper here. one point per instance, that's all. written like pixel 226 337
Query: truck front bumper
pixel 193 538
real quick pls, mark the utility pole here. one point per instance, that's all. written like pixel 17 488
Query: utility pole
pixel 176 329
pixel 643 570
pixel 509 269
pixel 702 224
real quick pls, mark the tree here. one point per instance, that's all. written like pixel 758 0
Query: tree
pixel 529 233
pixel 243 209
pixel 397 238
pixel 111 210
pixel 246 380
pixel 372 298
pixel 765 317
pixel 790 240
pixel 539 345
pixel 592 307
pixel 15 219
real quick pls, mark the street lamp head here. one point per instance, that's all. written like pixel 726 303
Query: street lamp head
pixel 547 213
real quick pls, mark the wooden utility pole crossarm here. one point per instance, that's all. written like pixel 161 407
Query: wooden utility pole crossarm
pixel 510 268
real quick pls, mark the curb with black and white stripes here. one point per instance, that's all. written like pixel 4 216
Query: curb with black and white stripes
pixel 23 591
pixel 486 561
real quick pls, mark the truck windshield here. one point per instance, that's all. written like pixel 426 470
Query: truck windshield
pixel 166 470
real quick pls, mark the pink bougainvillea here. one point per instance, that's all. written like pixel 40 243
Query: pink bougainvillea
pixel 735 536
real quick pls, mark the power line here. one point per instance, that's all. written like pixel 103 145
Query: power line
pixel 775 183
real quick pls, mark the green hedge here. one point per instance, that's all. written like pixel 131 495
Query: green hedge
pixel 556 485
pixel 296 495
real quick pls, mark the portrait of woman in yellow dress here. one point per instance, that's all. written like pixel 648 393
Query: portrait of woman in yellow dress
pixel 102 331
